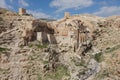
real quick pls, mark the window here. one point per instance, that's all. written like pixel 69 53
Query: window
pixel 71 36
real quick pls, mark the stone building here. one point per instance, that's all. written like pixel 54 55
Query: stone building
pixel 45 33
pixel 22 11
pixel 66 15
pixel 73 32
pixel 67 31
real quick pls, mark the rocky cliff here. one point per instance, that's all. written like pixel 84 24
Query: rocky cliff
pixel 78 47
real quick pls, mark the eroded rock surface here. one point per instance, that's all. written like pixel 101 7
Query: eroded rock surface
pixel 78 47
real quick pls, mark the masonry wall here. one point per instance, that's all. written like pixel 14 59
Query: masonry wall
pixel 52 39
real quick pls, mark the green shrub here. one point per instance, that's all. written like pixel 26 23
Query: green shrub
pixel 60 72
pixel 3 49
pixel 98 57
pixel 39 76
pixel 1 19
pixel 33 57
pixel 113 49
pixel 4 71
pixel 101 75
pixel 45 62
pixel 81 64
pixel 42 46
pixel 38 45
pixel 77 63
pixel 31 45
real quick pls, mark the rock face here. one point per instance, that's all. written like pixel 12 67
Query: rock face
pixel 75 31
pixel 77 47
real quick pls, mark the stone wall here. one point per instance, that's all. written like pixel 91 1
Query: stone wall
pixel 74 32
pixel 52 39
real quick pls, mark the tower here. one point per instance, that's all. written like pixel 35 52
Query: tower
pixel 22 11
pixel 67 15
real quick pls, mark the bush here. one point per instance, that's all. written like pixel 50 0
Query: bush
pixel 3 49
pixel 42 46
pixel 1 19
pixel 45 62
pixel 38 45
pixel 77 62
pixel 39 76
pixel 81 64
pixel 60 72
pixel 31 45
pixel 101 75
pixel 4 71
pixel 113 49
pixel 98 57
